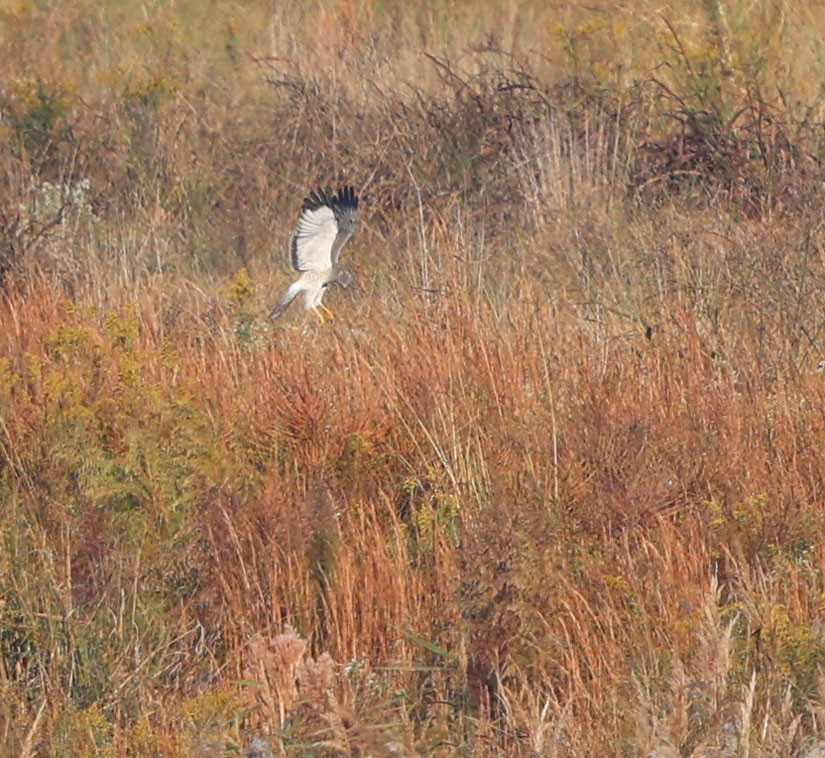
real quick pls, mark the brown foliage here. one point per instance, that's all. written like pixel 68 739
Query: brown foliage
pixel 551 483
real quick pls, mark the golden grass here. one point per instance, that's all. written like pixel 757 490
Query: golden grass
pixel 550 484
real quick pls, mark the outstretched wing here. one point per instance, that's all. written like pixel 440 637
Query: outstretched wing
pixel 345 208
pixel 325 224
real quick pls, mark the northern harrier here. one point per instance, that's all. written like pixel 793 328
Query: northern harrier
pixel 325 224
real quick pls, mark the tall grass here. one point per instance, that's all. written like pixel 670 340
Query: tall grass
pixel 550 484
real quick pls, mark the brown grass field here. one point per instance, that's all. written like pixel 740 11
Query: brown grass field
pixel 553 481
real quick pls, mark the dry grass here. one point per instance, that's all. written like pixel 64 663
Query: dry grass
pixel 550 484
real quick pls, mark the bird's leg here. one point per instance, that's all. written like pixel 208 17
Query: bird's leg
pixel 316 310
pixel 329 314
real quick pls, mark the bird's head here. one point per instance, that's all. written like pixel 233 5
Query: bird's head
pixel 343 277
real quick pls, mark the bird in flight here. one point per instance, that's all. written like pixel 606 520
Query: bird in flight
pixel 326 222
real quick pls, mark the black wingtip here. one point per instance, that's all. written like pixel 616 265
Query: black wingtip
pixel 317 198
pixel 346 197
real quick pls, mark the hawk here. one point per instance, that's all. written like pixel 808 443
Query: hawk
pixel 326 222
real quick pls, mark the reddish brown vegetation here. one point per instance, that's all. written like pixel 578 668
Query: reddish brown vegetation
pixel 552 481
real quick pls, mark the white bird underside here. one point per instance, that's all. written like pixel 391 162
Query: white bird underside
pixel 324 226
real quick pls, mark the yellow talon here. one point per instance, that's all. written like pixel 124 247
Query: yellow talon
pixel 330 315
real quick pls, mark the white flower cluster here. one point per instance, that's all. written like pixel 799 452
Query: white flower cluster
pixel 61 204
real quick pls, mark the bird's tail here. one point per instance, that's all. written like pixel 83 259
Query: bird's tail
pixel 284 302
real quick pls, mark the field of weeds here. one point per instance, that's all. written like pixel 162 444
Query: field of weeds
pixel 553 481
